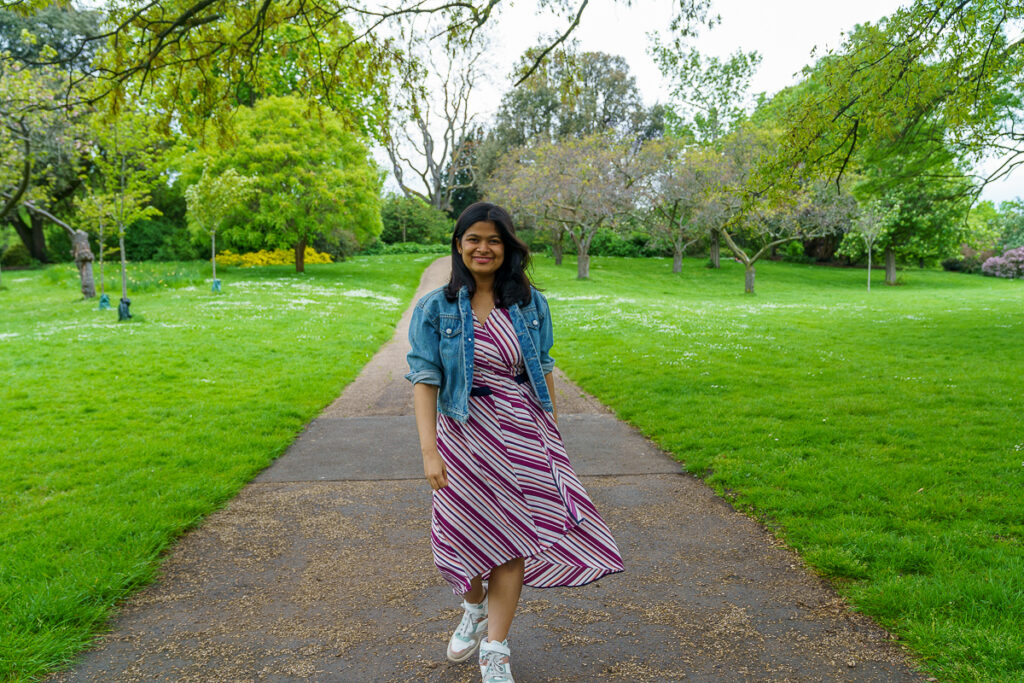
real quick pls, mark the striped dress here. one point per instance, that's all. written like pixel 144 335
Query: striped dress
pixel 511 490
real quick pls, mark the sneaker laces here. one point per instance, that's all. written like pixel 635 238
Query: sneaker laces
pixel 496 666
pixel 465 628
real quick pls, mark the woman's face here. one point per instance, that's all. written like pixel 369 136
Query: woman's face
pixel 482 250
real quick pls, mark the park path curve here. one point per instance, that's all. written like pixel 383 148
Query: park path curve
pixel 320 570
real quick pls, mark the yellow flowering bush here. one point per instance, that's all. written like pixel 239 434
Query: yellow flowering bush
pixel 277 257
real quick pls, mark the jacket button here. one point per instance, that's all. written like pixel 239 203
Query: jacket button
pixel 447 330
pixel 536 323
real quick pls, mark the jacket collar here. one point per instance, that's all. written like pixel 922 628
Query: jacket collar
pixel 464 296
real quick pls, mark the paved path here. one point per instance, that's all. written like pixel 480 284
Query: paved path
pixel 320 570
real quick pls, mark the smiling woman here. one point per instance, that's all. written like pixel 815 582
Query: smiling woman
pixel 507 506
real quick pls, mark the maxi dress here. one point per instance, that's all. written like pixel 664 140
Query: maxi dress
pixel 511 490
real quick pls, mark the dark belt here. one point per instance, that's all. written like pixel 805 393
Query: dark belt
pixel 486 391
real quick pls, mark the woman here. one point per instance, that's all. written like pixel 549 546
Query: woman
pixel 507 507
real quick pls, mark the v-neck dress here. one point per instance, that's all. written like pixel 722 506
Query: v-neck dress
pixel 511 491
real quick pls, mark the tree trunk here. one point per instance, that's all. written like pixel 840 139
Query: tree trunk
pixel 920 262
pixel 748 279
pixel 715 250
pixel 83 260
pixel 677 259
pixel 124 267
pixel 213 253
pixel 582 264
pixel 300 256
pixel 890 266
pixel 869 270
pixel 556 250
pixel 123 308
pixel 31 234
pixel 103 288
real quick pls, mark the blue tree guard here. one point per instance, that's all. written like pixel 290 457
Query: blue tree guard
pixel 122 309
pixel 216 285
pixel 104 302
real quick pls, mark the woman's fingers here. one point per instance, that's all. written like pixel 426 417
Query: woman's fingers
pixel 437 475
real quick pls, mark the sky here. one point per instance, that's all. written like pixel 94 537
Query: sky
pixel 784 32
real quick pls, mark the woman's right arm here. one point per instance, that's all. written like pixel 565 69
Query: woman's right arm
pixel 425 404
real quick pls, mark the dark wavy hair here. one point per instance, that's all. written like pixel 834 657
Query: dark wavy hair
pixel 511 283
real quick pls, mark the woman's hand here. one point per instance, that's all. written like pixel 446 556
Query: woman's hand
pixel 434 469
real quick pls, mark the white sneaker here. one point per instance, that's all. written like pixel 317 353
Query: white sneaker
pixel 470 631
pixel 495 666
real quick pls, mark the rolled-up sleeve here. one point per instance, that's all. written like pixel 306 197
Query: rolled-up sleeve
pixel 424 357
pixel 547 337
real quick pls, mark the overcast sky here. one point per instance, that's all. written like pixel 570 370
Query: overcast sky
pixel 783 31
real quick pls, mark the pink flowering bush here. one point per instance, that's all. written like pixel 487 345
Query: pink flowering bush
pixel 1009 265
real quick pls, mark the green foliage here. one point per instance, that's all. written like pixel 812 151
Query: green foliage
pixel 125 155
pixel 410 219
pixel 57 30
pixel 313 176
pixel 126 483
pixel 16 255
pixel 1012 224
pixel 709 95
pixel 407 248
pixel 873 432
pixel 145 238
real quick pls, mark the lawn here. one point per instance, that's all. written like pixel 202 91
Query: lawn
pixel 117 437
pixel 881 434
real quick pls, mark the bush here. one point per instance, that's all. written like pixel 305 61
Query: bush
pixel 962 264
pixel 794 252
pixel 277 257
pixel 1009 265
pixel 407 248
pixel 408 219
pixel 338 244
pixel 16 255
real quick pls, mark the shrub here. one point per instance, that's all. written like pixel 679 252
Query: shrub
pixel 277 257
pixel 338 243
pixel 408 219
pixel 964 264
pixel 16 255
pixel 1009 265
pixel 407 248
pixel 794 252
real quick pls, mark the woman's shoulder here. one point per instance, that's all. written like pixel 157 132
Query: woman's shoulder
pixel 536 296
pixel 431 297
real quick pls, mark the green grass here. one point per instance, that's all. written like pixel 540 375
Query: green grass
pixel 881 434
pixel 117 437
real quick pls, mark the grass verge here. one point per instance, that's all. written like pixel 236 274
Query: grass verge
pixel 881 434
pixel 120 436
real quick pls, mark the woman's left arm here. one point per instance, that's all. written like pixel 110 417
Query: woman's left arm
pixel 550 379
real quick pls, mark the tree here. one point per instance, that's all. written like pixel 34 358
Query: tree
pixel 125 157
pixel 576 184
pixel 868 225
pixel 759 222
pixel 673 180
pixel 60 34
pixel 933 68
pixel 1011 224
pixel 574 94
pixel 210 200
pixel 429 131
pixel 708 94
pixel 197 51
pixel 410 219
pixel 95 210
pixel 312 176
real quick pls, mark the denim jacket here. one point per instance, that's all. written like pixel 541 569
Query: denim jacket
pixel 441 336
